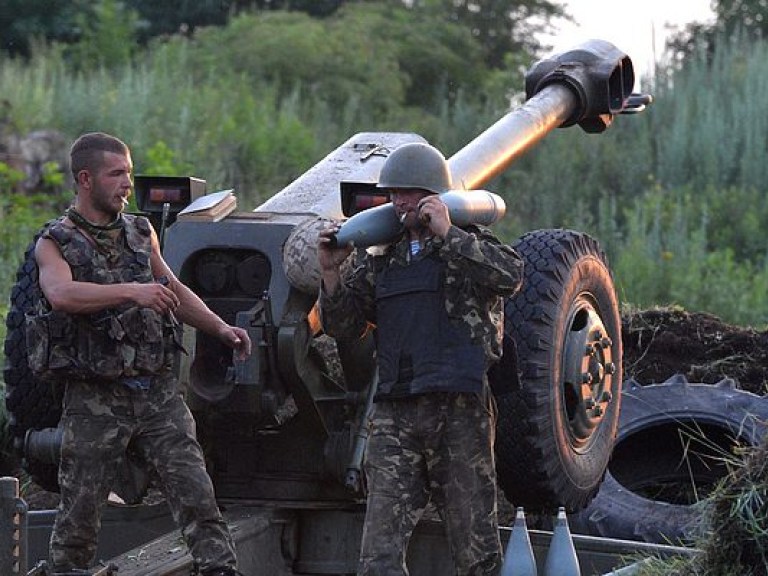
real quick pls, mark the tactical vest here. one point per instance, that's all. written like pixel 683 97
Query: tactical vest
pixel 420 349
pixel 112 344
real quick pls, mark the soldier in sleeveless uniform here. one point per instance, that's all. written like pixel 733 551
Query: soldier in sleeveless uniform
pixel 108 325
pixel 436 300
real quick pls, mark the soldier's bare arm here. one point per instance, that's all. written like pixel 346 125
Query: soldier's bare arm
pixel 68 295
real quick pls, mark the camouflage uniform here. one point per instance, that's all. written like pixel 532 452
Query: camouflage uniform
pixel 121 389
pixel 99 420
pixel 439 318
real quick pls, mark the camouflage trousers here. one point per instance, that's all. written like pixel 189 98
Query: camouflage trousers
pixel 436 447
pixel 99 420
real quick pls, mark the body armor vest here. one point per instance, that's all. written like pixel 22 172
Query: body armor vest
pixel 115 343
pixel 419 348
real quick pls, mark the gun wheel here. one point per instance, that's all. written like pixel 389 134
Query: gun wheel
pixel 30 402
pixel 558 391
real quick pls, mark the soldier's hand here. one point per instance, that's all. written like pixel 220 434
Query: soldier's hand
pixel 434 213
pixel 237 339
pixel 154 296
pixel 329 255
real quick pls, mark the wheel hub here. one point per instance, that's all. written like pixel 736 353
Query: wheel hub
pixel 587 374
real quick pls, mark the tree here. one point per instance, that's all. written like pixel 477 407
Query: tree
pixel 183 16
pixel 732 18
pixel 741 15
pixel 106 36
pixel 378 55
pixel 315 8
pixel 96 31
pixel 24 21
pixel 501 27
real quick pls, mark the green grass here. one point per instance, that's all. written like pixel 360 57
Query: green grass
pixel 734 538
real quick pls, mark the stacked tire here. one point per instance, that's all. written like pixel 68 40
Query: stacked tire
pixel 676 441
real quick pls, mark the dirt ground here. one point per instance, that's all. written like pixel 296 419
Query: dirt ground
pixel 662 342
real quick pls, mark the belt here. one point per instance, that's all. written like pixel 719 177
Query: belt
pixel 141 383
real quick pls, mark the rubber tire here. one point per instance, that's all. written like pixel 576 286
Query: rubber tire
pixel 31 403
pixel 551 450
pixel 659 412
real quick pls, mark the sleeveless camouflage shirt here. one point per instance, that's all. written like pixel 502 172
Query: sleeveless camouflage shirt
pixel 114 343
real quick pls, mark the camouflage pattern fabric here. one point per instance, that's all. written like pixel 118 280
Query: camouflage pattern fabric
pixel 123 341
pixel 437 446
pixel 99 420
pixel 137 341
pixel 132 243
pixel 479 272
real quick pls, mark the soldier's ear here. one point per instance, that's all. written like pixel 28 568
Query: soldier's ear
pixel 83 178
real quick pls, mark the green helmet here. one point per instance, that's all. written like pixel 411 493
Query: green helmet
pixel 416 165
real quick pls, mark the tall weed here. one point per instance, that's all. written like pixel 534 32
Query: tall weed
pixel 667 256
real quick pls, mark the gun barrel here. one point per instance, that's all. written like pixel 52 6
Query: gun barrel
pixel 490 153
pixel 484 158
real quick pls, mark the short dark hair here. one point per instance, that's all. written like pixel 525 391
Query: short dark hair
pixel 87 151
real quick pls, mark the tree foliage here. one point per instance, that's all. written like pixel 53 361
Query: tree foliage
pixel 106 36
pixel 500 26
pixel 380 55
pixel 316 8
pixel 22 22
pixel 733 18
pixel 747 15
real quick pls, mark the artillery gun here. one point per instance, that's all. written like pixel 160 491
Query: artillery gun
pixel 285 430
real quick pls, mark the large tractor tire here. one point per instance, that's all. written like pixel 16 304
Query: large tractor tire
pixel 558 387
pixel 675 443
pixel 31 403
